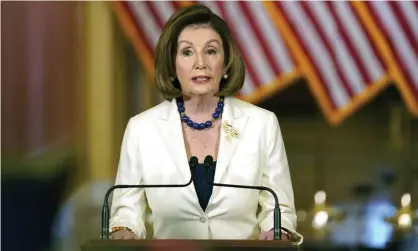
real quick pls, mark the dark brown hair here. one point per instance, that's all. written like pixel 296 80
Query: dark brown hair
pixel 196 15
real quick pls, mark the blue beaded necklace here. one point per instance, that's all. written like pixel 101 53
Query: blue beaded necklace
pixel 200 126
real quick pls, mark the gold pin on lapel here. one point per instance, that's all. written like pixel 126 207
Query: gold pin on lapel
pixel 230 131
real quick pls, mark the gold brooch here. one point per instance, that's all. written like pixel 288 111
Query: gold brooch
pixel 230 132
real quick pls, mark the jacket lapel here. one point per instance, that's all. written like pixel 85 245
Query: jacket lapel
pixel 169 126
pixel 233 120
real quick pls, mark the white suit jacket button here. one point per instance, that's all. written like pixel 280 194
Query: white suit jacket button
pixel 203 219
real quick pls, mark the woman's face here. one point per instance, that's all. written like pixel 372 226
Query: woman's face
pixel 199 60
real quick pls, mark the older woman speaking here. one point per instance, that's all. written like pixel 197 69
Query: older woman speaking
pixel 198 69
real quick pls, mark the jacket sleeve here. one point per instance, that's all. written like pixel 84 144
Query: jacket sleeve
pixel 128 205
pixel 276 175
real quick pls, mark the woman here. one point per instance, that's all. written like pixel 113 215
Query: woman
pixel 199 69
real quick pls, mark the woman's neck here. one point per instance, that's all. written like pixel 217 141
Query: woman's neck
pixel 200 104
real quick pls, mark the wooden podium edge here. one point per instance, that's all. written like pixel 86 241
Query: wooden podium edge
pixel 188 243
pixel 215 242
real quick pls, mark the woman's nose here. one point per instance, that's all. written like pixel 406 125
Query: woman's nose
pixel 200 62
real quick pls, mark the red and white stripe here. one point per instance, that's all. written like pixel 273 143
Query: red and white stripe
pixel 337 45
pixel 399 22
pixel 147 23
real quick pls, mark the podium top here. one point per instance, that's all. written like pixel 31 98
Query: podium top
pixel 187 245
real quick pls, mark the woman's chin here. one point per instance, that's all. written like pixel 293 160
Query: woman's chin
pixel 202 90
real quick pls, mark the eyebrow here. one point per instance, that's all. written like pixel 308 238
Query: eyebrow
pixel 210 41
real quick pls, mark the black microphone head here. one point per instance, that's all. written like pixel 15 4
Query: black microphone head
pixel 193 162
pixel 208 162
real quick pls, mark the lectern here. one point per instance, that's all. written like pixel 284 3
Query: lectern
pixel 188 245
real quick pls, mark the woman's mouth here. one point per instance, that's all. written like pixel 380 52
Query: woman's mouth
pixel 200 79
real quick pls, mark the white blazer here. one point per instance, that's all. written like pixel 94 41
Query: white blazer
pixel 153 152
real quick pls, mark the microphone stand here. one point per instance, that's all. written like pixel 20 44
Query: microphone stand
pixel 276 214
pixel 208 163
pixel 105 210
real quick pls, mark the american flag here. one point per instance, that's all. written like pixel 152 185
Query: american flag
pixel 347 51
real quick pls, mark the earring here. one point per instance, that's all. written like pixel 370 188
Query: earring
pixel 225 76
pixel 172 79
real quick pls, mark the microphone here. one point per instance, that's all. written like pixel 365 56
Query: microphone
pixel 105 210
pixel 208 163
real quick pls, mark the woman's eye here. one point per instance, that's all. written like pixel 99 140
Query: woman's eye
pixel 211 52
pixel 187 53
